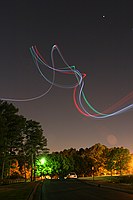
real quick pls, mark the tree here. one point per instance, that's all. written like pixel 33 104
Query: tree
pixel 96 157
pixel 56 164
pixel 20 139
pixel 35 142
pixel 12 126
pixel 110 162
pixel 118 159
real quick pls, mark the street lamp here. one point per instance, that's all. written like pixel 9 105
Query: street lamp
pixel 43 160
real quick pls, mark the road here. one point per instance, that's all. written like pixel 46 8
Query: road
pixel 77 190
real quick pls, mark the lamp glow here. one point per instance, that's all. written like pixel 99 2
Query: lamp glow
pixel 43 160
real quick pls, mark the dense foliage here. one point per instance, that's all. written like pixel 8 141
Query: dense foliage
pixel 98 160
pixel 20 139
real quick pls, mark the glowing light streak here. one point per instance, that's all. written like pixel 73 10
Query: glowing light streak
pixel 120 102
pixel 98 115
pixel 78 94
pixel 102 115
pixel 75 102
pixel 69 69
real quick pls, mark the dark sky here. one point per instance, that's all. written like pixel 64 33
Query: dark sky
pixel 94 35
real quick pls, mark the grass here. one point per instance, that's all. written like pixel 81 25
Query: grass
pixel 124 182
pixel 116 179
pixel 18 191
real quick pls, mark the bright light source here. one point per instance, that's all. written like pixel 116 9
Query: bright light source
pixel 43 160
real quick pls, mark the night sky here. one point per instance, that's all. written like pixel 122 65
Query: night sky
pixel 94 35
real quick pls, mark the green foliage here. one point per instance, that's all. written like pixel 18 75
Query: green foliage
pixel 56 164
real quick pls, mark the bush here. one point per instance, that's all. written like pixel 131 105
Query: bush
pixel 15 175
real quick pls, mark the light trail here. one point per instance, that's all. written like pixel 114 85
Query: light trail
pixel 79 96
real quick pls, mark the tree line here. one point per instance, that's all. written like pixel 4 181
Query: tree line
pixel 20 139
pixel 98 160
pixel 24 153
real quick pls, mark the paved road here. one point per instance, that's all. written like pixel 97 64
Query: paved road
pixel 76 190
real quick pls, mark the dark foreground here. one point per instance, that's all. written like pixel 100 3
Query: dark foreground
pixel 77 190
